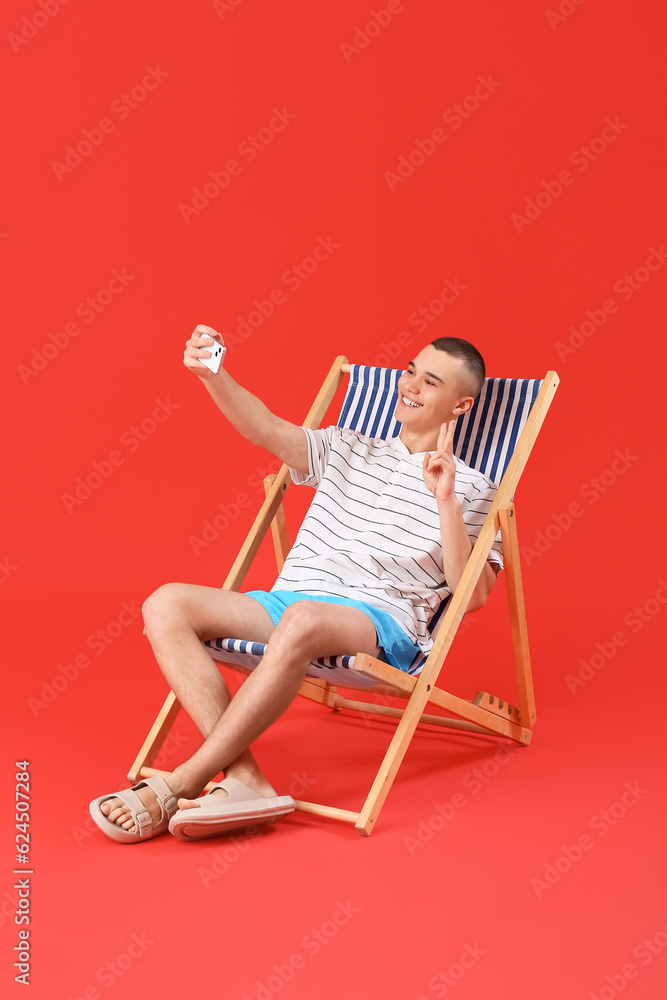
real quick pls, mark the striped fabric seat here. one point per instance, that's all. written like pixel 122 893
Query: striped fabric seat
pixel 334 669
pixel 484 439
pixel 485 436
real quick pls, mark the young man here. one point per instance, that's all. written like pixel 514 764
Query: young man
pixel 387 537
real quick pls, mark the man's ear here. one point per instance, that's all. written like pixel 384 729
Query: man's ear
pixel 463 405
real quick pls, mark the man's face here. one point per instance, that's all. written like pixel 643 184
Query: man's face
pixel 429 392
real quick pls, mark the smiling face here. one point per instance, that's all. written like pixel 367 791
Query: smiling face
pixel 431 391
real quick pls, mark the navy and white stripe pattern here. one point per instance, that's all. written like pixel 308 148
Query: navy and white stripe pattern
pixel 484 437
pixel 335 669
pixel 259 648
pixel 370 402
pixel 245 651
pixel 372 532
pixel 484 440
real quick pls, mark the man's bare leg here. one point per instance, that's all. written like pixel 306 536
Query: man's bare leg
pixel 307 630
pixel 178 617
pixel 200 687
pixel 175 615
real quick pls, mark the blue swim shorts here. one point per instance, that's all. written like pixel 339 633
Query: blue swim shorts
pixel 394 643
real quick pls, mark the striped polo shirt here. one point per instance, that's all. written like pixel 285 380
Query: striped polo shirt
pixel 372 531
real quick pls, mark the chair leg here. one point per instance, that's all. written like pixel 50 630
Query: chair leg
pixel 281 543
pixel 156 737
pixel 389 768
pixel 517 611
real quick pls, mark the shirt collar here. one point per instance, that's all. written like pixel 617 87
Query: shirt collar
pixel 415 457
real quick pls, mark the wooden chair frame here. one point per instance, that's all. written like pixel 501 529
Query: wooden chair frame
pixel 484 713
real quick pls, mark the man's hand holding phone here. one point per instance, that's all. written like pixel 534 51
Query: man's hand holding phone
pixel 204 350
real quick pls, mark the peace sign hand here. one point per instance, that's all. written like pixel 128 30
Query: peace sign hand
pixel 439 468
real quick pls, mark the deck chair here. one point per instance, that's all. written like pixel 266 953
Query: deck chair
pixel 495 437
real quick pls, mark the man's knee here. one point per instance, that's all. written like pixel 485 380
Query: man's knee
pixel 299 626
pixel 163 605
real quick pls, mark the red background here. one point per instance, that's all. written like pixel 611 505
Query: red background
pixel 68 567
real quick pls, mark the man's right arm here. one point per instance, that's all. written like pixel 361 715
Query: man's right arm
pixel 251 418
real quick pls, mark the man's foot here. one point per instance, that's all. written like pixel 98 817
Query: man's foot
pixel 117 812
pixel 136 814
pixel 228 806
pixel 257 782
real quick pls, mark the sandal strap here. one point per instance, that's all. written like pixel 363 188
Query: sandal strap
pixel 141 817
pixel 167 800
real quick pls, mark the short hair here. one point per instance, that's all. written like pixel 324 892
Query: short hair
pixel 473 362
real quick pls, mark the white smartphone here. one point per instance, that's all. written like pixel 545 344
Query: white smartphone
pixel 218 352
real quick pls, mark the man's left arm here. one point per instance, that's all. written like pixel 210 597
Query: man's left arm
pixel 456 549
pixel 439 471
